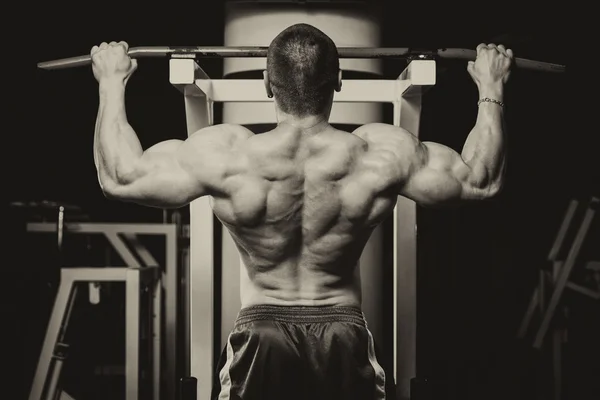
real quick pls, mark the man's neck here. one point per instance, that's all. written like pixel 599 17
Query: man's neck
pixel 313 123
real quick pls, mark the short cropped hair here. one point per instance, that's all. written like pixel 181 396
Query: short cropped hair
pixel 302 65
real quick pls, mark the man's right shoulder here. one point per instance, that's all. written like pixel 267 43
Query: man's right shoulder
pixel 377 130
pixel 381 136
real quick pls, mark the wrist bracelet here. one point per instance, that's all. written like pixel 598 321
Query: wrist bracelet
pixel 488 100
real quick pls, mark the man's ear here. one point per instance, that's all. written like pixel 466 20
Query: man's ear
pixel 267 84
pixel 338 87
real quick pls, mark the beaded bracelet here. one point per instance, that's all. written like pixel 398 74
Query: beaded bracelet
pixel 487 99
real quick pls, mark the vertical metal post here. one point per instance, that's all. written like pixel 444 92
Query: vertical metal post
pixel 407 115
pixel 405 286
pixel 200 304
pixel 132 334
pixel 59 312
pixel 156 336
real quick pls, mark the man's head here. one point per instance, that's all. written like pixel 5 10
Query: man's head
pixel 303 70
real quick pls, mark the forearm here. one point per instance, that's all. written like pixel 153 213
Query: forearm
pixel 116 145
pixel 484 149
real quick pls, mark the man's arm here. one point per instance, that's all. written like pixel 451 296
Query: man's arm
pixel 169 174
pixel 431 173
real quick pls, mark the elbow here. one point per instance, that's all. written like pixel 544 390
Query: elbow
pixel 112 185
pixel 110 194
pixel 494 190
pixel 484 191
pixel 110 189
pixel 491 190
pixel 485 184
pixel 495 185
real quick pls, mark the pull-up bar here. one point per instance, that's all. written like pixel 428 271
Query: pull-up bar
pixel 344 52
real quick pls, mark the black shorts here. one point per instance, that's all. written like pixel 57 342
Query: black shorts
pixel 293 353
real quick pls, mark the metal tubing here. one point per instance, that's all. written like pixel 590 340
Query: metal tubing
pixel 344 52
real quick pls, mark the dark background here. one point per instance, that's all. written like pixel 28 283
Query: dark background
pixel 478 264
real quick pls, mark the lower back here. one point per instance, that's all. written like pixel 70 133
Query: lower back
pixel 293 285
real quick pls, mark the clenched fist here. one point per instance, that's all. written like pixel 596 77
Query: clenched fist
pixel 492 65
pixel 111 61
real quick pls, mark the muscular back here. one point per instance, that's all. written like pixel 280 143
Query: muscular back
pixel 301 205
pixel 300 209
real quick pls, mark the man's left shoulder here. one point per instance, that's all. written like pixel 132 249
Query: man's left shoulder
pixel 235 130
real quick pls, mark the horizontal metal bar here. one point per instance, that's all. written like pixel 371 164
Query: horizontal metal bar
pixel 253 90
pixel 92 274
pixel 107 274
pixel 90 227
pixel 344 52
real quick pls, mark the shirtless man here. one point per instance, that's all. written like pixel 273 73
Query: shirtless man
pixel 300 202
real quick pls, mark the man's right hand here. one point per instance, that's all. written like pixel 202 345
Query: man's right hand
pixel 492 65
pixel 111 61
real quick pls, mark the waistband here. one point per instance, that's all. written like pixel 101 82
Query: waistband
pixel 301 314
